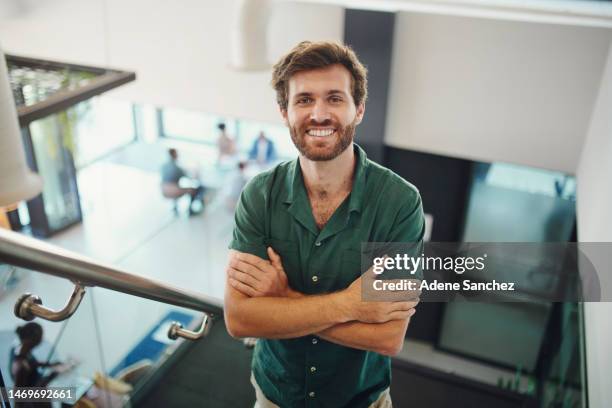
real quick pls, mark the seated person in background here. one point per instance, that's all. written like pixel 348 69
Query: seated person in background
pixel 25 369
pixel 171 174
pixel 262 151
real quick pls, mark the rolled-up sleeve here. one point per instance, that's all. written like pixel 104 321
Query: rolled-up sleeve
pixel 249 229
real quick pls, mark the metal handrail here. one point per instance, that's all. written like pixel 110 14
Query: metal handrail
pixel 30 253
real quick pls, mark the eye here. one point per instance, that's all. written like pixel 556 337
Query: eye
pixel 335 99
pixel 303 100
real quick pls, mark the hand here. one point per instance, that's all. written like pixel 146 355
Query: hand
pixel 277 263
pixel 255 277
pixel 373 312
pixel 66 366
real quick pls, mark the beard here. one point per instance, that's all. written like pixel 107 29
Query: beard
pixel 313 150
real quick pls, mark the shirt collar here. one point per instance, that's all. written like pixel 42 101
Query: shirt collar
pixel 295 184
pixel 359 180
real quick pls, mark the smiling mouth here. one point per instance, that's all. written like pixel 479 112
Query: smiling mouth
pixel 321 132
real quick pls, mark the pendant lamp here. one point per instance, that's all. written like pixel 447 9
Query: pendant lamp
pixel 249 49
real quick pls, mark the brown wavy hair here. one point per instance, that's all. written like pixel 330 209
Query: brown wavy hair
pixel 309 55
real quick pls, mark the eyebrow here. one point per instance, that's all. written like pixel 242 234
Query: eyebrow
pixel 331 92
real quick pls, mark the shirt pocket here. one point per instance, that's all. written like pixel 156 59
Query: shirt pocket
pixel 282 245
pixel 288 251
pixel 351 266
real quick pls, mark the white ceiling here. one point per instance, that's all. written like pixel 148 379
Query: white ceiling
pixel 571 12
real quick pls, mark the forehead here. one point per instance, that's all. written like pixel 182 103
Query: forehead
pixel 321 80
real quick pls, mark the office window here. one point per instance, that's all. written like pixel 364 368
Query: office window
pixel 193 126
pixel 202 128
pixel 102 125
pixel 279 134
pixel 514 203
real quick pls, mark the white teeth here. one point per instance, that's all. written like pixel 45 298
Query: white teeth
pixel 320 132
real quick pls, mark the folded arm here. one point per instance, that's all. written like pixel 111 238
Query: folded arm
pixel 279 317
pixel 384 338
pixel 260 303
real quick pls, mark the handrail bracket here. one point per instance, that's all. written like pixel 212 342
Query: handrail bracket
pixel 29 306
pixel 176 330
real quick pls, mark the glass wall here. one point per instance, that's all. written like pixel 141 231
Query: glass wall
pixel 60 143
pixel 519 204
pixel 539 340
pixel 51 140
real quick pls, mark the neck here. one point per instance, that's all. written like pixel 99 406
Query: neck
pixel 25 349
pixel 331 177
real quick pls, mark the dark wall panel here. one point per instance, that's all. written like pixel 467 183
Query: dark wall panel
pixel 444 184
pixel 370 34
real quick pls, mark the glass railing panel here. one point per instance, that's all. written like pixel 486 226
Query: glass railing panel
pixel 135 329
pixel 71 346
pixel 146 366
pixel 135 337
pixel 112 345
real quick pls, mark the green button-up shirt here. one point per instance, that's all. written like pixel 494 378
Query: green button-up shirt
pixel 274 210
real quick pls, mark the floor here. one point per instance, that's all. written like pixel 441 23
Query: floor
pixel 128 225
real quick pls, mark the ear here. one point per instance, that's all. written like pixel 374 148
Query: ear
pixel 359 113
pixel 283 113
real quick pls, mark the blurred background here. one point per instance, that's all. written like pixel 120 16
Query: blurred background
pixel 498 111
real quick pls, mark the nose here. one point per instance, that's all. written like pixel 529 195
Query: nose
pixel 320 113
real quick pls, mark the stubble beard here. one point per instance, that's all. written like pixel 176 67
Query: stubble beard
pixel 344 137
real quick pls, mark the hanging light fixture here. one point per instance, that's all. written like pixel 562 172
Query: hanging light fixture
pixel 17 182
pixel 249 35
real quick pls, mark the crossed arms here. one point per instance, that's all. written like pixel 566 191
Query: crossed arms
pixel 260 303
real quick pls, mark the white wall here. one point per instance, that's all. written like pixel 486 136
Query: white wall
pixel 494 90
pixel 179 50
pixel 594 201
pixel 465 87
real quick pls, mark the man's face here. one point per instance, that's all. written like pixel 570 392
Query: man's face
pixel 321 114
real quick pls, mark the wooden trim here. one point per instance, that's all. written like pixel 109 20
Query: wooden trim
pixel 53 65
pixel 4 221
pixel 106 80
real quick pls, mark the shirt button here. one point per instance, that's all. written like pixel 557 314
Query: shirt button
pixel 318 243
pixel 314 340
pixel 311 394
pixel 315 278
pixel 313 369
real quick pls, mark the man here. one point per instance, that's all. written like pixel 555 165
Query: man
pixel 171 174
pixel 263 150
pixel 294 270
